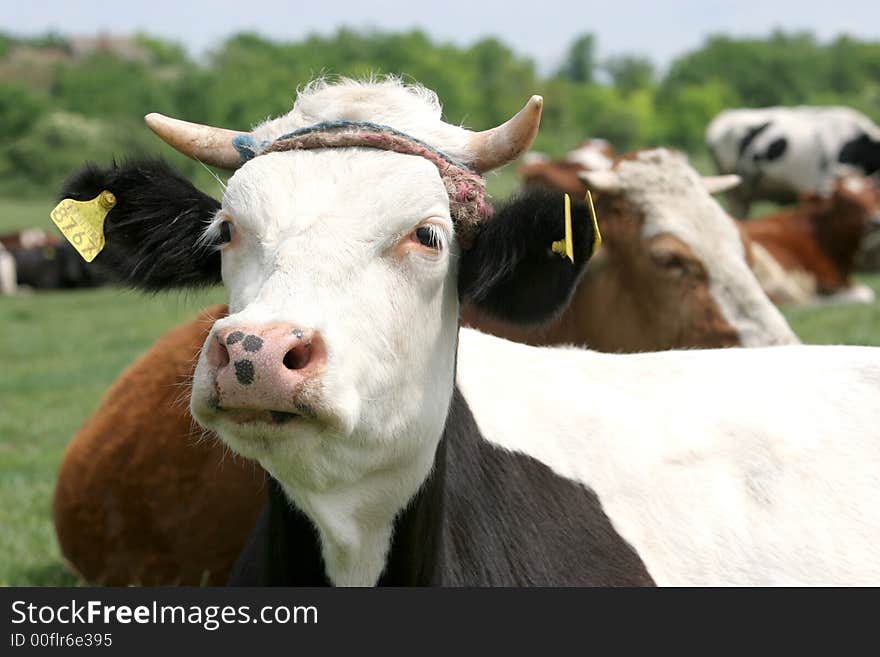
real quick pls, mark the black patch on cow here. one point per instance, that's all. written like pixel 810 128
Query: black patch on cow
pixel 252 343
pixel 235 336
pixel 862 152
pixel 776 149
pixel 749 137
pixel 154 232
pixel 484 517
pixel 511 272
pixel 244 372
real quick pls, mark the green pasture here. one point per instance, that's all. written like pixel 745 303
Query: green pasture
pixel 59 351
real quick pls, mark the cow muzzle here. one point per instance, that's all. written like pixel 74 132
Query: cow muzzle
pixel 261 373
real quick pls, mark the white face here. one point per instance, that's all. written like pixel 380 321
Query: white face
pixel 326 241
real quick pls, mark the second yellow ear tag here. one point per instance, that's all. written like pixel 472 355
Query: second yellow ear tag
pixel 565 246
pixel 597 239
pixel 82 222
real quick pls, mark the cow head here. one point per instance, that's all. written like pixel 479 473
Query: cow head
pixel 675 260
pixel 844 218
pixel 344 268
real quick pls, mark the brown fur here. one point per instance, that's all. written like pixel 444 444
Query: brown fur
pixel 141 498
pixel 820 236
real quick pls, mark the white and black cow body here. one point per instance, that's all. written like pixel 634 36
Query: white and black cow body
pixel 406 450
pixel 485 516
pixel 783 152
pixel 728 466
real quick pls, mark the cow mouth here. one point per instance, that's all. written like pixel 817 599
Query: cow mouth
pixel 249 416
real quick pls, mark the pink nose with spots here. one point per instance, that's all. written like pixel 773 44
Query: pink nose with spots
pixel 259 371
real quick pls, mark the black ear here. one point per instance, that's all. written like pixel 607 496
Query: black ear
pixel 512 273
pixel 154 232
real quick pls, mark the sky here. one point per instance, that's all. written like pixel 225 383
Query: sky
pixel 541 30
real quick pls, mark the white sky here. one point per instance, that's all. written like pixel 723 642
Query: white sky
pixel 657 29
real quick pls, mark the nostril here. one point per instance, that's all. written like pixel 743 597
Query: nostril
pixel 218 354
pixel 298 357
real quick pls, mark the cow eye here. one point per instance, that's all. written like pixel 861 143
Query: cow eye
pixel 428 236
pixel 226 230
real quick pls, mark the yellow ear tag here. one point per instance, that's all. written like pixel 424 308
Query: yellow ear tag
pixel 565 247
pixel 597 240
pixel 82 222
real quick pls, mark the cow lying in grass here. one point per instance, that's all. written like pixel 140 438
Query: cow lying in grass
pixel 806 254
pixel 336 370
pixel 652 292
pixel 673 272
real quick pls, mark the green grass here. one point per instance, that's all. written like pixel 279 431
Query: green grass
pixel 60 351
pixel 854 324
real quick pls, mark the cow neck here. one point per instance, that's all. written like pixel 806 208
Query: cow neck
pixel 484 516
pixel 287 550
pixel 355 521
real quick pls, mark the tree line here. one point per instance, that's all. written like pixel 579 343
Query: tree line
pixel 60 102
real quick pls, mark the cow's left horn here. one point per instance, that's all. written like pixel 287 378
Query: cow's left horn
pixel 200 142
pixel 496 147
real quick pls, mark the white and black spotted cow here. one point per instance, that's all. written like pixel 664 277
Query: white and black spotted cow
pixel 403 450
pixel 782 152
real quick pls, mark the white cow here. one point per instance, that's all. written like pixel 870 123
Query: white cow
pixel 782 152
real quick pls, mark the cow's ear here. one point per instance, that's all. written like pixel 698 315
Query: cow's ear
pixel 512 271
pixel 154 233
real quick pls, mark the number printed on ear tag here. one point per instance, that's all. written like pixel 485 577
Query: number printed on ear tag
pixel 82 222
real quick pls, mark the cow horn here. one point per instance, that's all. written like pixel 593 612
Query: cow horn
pixel 718 184
pixel 496 147
pixel 200 142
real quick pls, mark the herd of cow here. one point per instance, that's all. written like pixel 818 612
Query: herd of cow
pixel 409 386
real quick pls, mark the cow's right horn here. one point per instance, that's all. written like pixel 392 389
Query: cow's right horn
pixel 200 142
pixel 493 148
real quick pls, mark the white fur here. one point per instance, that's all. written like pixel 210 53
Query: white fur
pixel 855 293
pixel 591 155
pixel 315 248
pixel 738 466
pixel 8 273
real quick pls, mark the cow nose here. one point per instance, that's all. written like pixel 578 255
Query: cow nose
pixel 262 369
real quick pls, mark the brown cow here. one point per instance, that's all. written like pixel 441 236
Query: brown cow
pixel 115 522
pixel 173 514
pixel 806 254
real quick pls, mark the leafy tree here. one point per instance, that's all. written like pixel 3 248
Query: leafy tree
pixel 580 61
pixel 19 110
pixel 630 73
